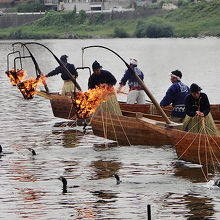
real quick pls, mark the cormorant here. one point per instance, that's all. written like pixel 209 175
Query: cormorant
pixel 64 181
pixel 32 151
pixel 118 181
pixel 217 183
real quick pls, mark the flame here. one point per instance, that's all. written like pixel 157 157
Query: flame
pixel 27 87
pixel 16 76
pixel 87 102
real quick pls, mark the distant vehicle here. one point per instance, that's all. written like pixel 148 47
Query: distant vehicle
pixel 1 13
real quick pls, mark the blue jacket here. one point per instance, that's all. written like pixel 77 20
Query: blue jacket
pixel 132 82
pixel 176 95
pixel 64 75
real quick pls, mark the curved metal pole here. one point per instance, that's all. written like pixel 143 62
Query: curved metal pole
pixel 35 64
pixel 60 63
pixel 147 91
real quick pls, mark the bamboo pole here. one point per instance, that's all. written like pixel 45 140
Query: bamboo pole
pixel 149 94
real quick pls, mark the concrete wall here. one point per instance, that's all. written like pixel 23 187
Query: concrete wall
pixel 15 20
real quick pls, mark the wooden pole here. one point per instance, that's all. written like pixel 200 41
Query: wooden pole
pixel 147 91
pixel 148 212
pixel 149 94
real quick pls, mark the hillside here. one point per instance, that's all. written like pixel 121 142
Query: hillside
pixel 189 20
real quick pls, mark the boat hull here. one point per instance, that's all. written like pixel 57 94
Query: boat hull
pixel 129 130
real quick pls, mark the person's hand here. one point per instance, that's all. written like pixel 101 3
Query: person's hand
pixel 200 113
pixel 119 89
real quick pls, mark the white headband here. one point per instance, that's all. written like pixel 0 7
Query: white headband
pixel 133 61
pixel 172 75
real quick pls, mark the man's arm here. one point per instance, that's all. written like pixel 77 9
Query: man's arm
pixel 168 98
pixel 110 79
pixel 54 72
pixel 207 105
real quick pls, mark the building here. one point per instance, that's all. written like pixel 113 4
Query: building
pixel 87 5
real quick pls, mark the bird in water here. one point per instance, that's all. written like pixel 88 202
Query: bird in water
pixel 32 151
pixel 64 181
pixel 118 181
pixel 217 182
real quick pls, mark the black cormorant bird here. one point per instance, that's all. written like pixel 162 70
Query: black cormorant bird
pixel 64 181
pixel 118 181
pixel 32 151
pixel 217 183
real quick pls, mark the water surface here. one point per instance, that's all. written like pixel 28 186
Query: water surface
pixel 29 185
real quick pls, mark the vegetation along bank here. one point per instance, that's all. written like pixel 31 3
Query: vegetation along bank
pixel 189 20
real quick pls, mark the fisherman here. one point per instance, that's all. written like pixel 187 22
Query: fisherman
pixel 198 113
pixel 176 95
pixel 100 76
pixel 136 92
pixel 68 86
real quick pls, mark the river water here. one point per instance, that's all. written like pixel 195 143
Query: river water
pixel 29 185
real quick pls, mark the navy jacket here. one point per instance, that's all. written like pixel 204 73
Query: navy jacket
pixel 64 75
pixel 176 95
pixel 104 77
pixel 132 82
pixel 193 105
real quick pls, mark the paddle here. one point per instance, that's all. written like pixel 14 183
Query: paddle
pixel 147 91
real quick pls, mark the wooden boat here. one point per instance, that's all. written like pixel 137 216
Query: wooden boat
pixel 131 128
pixel 136 128
pixel 196 148
pixel 142 129
pixel 147 109
pixel 63 108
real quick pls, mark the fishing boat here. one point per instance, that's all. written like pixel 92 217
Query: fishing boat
pixel 132 128
pixel 62 107
pixel 197 148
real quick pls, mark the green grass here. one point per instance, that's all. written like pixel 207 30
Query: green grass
pixel 190 20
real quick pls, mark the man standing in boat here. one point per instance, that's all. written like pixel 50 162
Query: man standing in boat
pixel 136 92
pixel 198 116
pixel 100 76
pixel 175 95
pixel 68 86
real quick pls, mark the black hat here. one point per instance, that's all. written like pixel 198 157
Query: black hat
pixel 64 58
pixel 96 65
pixel 195 88
pixel 177 73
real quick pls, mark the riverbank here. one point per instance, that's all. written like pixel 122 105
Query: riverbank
pixel 190 20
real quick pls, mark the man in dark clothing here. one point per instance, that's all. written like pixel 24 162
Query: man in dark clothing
pixel 68 86
pixel 176 95
pixel 197 103
pixel 100 76
pixel 198 116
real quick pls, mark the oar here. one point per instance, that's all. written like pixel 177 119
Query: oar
pixel 147 91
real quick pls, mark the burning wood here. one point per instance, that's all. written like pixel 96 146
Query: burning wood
pixel 87 102
pixel 16 76
pixel 27 87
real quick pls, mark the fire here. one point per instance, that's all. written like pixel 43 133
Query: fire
pixel 16 76
pixel 87 102
pixel 27 87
